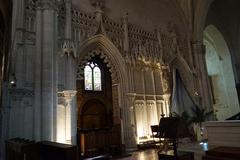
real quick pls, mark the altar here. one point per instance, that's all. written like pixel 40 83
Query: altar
pixel 223 133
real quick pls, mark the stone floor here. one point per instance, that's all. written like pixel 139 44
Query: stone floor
pixel 148 154
pixel 151 154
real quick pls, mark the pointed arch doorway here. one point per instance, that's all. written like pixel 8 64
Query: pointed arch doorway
pixel 100 121
pixel 221 75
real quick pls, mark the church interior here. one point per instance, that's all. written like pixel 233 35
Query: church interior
pixel 128 79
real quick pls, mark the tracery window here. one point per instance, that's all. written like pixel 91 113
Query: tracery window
pixel 92 77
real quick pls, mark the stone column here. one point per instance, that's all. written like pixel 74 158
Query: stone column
pixel 16 50
pixel 70 125
pixel 5 119
pixel 166 108
pixel 69 51
pixel 158 32
pixel 68 23
pixel 139 80
pixel 149 81
pixel 127 129
pixel 17 14
pixel 38 76
pixel 131 99
pixel 152 118
pixel 130 72
pixel 203 90
pixel 158 81
pixel 160 109
pixel 45 71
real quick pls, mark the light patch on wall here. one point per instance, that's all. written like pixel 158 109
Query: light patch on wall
pixel 148 113
pixel 61 124
pixel 220 71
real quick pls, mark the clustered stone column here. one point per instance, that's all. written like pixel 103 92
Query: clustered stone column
pixel 69 53
pixel 203 95
pixel 132 120
pixel 45 71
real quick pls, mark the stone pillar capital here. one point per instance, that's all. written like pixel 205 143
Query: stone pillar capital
pixel 67 96
pixel 131 97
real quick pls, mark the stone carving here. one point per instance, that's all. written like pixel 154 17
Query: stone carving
pixel 140 48
pixel 114 31
pixel 68 48
pixel 83 25
pixel 143 44
pixel 30 6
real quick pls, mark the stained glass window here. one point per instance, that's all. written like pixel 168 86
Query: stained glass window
pixel 88 78
pixel 97 79
pixel 92 77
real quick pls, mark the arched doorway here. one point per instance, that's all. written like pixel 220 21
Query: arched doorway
pixel 94 101
pixel 221 75
pixel 100 50
pixel 94 115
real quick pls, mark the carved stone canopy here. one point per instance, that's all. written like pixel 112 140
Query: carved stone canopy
pixel 68 48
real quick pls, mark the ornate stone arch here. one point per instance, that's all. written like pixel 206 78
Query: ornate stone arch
pixel 100 44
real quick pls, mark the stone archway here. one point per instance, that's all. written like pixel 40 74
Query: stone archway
pixel 220 72
pixel 103 47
